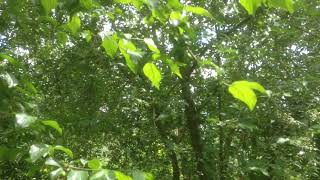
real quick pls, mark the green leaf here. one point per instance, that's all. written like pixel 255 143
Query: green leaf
pixel 53 124
pixel 243 90
pixel 123 1
pixel 74 24
pixel 127 48
pixel 56 173
pixel 78 175
pixel 174 68
pixel 175 4
pixel 86 4
pixel 8 58
pixel 139 175
pixel 48 5
pixel 120 176
pixel 153 74
pixel 110 45
pixel 65 150
pixel 52 162
pixel 102 175
pixel 151 45
pixel 87 34
pixel 94 164
pixel 283 4
pixel 23 120
pixel 62 37
pixel 199 11
pixel 251 5
pixel 37 151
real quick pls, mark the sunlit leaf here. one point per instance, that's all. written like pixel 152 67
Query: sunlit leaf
pixel 251 5
pixel 65 150
pixel 153 74
pixel 78 175
pixel 139 175
pixel 94 164
pixel 151 45
pixel 102 175
pixel 53 124
pixel 120 176
pixel 74 24
pixel 243 90
pixel 199 11
pixel 23 120
pixel 48 5
pixel 283 4
pixel 56 173
pixel 126 47
pixel 37 151
pixel 52 162
pixel 110 45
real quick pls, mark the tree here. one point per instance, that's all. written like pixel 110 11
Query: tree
pixel 176 89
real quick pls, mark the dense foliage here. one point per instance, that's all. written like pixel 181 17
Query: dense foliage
pixel 149 89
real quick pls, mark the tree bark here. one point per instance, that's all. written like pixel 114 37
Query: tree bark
pixel 193 123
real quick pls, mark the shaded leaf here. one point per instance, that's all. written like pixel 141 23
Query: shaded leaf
pixel 56 173
pixel 102 175
pixel 48 5
pixel 94 164
pixel 53 124
pixel 283 4
pixel 65 150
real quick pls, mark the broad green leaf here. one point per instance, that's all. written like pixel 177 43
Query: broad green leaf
pixel 124 1
pixel 78 175
pixel 127 47
pixel 110 45
pixel 53 124
pixel 102 175
pixel 62 37
pixel 251 5
pixel 94 164
pixel 175 4
pixel 23 120
pixel 175 15
pixel 56 173
pixel 37 151
pixel 243 90
pixel 199 11
pixel 283 4
pixel 139 175
pixel 74 24
pixel 87 34
pixel 8 58
pixel 174 68
pixel 120 176
pixel 151 45
pixel 86 3
pixel 48 5
pixel 153 74
pixel 52 162
pixel 65 150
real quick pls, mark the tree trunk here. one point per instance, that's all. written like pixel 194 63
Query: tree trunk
pixel 193 123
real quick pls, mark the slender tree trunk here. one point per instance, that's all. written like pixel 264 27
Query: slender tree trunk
pixel 193 123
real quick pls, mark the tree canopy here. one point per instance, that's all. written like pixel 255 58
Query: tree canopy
pixel 149 89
